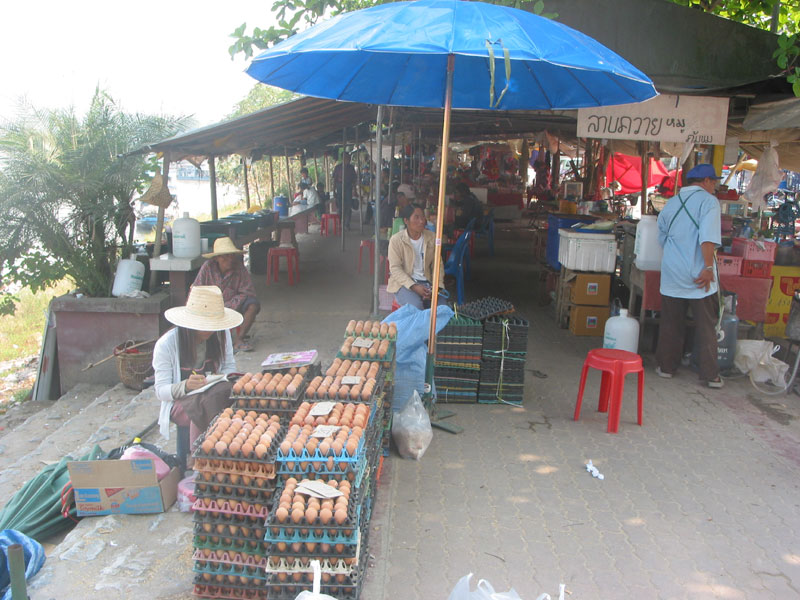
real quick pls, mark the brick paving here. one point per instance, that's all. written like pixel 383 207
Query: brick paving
pixel 701 502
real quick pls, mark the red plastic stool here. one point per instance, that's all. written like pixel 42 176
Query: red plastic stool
pixel 615 365
pixel 324 227
pixel 292 263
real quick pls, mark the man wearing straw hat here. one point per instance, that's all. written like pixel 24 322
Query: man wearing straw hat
pixel 226 270
pixel 183 358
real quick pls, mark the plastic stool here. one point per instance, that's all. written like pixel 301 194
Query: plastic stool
pixel 324 227
pixel 370 246
pixel 615 365
pixel 287 227
pixel 292 263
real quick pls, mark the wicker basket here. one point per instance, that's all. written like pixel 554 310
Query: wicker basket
pixel 134 365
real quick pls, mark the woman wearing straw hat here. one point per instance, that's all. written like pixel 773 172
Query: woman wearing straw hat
pixel 226 270
pixel 199 344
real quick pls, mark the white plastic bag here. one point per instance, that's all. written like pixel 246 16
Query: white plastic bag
pixel 755 357
pixel 485 591
pixel 314 594
pixel 411 428
pixel 766 178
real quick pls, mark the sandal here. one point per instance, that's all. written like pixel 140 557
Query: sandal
pixel 716 384
pixel 243 347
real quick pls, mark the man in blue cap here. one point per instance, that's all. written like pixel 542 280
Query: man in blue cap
pixel 689 230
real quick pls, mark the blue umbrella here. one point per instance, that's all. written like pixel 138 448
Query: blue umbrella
pixel 450 54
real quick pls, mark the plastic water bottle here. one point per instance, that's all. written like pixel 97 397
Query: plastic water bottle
pixel 622 332
pixel 129 277
pixel 646 248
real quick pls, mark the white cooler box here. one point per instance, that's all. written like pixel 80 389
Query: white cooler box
pixel 581 251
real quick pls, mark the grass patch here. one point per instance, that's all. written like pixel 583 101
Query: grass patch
pixel 21 333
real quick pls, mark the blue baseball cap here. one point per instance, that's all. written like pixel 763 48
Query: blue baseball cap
pixel 702 172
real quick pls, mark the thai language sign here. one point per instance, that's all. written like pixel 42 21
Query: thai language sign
pixel 665 118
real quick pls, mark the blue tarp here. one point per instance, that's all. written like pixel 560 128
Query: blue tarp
pixel 32 550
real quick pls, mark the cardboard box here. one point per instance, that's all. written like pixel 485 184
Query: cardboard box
pixel 106 487
pixel 785 282
pixel 588 320
pixel 591 288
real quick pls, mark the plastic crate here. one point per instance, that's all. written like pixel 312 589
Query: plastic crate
pixel 756 268
pixel 729 264
pixel 754 249
pixel 554 223
pixel 581 251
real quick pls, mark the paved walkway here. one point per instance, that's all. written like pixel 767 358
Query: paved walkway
pixel 701 502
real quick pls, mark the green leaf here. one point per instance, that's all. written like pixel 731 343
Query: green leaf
pixel 239 31
pixel 783 61
pixel 796 88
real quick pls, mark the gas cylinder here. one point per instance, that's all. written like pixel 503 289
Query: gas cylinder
pixel 622 332
pixel 726 337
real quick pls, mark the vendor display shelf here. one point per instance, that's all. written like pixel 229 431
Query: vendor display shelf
pixel 256 546
pixel 238 558
pixel 206 589
pixel 367 329
pixel 485 307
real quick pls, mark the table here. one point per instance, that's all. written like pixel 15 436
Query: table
pixel 182 272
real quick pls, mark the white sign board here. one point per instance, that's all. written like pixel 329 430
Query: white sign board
pixel 665 118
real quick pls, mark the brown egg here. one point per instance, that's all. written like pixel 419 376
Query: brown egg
pixel 281 514
pixel 340 516
pixel 325 516
pixel 297 515
pixel 221 447
pixel 311 515
pixel 208 446
pixel 234 448
pixel 261 450
pixel 351 447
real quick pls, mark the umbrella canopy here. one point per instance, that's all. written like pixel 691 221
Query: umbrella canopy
pixel 396 54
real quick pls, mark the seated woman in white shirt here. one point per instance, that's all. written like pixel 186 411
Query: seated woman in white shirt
pixel 411 257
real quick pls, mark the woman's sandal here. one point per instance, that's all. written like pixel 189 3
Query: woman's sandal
pixel 243 347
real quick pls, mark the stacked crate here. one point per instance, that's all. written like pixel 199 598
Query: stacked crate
pixel 757 256
pixel 505 349
pixel 235 484
pixel 458 360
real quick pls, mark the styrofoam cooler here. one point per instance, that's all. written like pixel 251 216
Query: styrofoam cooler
pixel 580 251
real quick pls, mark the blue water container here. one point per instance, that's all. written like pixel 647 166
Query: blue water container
pixel 554 223
pixel 281 204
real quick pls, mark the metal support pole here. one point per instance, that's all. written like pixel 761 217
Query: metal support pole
pixel 391 155
pixel 271 179
pixel 289 182
pixel 377 215
pixel 316 170
pixel 344 208
pixel 246 187
pixel 159 225
pixel 358 186
pixel 212 171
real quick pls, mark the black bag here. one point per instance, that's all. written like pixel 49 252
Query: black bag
pixel 355 204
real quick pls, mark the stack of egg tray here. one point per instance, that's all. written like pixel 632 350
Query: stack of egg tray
pixel 305 466
pixel 456 385
pixel 458 360
pixel 505 350
pixel 387 361
pixel 292 548
pixel 234 496
pixel 485 307
pixel 283 406
pixel 505 333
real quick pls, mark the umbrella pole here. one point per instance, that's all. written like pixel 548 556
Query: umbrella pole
pixel 437 259
pixel 344 177
pixel 377 213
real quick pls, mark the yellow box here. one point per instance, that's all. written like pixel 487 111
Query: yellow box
pixel 785 282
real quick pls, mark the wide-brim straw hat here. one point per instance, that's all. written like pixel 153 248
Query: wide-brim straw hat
pixel 204 311
pixel 223 245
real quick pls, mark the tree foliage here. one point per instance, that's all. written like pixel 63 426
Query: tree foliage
pixel 66 191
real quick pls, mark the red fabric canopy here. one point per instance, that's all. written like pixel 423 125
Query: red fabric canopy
pixel 627 170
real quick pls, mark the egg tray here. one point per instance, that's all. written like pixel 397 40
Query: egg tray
pixel 377 401
pixel 348 551
pixel 285 398
pixel 350 589
pixel 225 557
pixel 229 507
pixel 235 493
pixel 485 307
pixel 386 360
pixel 283 405
pixel 391 338
pixel 226 456
pixel 238 490
pixel 215 518
pixel 205 589
pixel 231 544
pixel 380 384
pixel 256 577
pixel 227 538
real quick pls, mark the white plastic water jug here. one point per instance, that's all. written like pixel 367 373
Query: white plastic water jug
pixel 647 249
pixel 622 333
pixel 186 237
pixel 129 277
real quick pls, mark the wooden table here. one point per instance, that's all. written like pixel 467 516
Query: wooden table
pixel 182 272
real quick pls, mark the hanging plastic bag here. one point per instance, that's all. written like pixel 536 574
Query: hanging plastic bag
pixel 314 594
pixel 485 591
pixel 411 429
pixel 755 358
pixel 766 178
